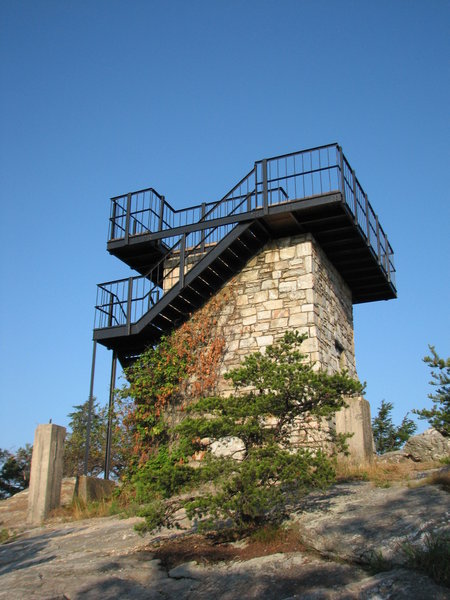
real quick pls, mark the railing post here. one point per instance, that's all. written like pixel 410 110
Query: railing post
pixel 113 221
pixel 182 259
pixel 127 218
pixel 355 201
pixel 256 186
pixel 265 187
pixel 341 161
pixel 111 310
pixel 161 213
pixel 129 304
pixel 388 260
pixel 367 218
pixel 378 239
pixel 202 233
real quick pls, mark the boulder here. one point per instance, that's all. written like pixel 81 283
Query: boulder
pixel 228 447
pixel 427 446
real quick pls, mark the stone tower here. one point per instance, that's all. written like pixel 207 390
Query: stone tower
pixel 292 246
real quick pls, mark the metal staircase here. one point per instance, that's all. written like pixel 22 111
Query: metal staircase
pixel 184 256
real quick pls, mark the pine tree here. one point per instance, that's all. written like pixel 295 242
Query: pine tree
pixel 439 415
pixel 15 470
pixel 257 489
pixel 386 435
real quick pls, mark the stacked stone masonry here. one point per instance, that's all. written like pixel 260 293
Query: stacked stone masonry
pixel 289 285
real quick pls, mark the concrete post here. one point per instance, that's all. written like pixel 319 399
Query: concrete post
pixel 355 419
pixel 46 471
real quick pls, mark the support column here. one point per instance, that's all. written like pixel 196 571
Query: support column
pixel 91 402
pixel 110 415
pixel 46 471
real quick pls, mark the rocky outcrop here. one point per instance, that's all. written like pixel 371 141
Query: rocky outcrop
pixel 360 523
pixel 349 525
pixel 429 445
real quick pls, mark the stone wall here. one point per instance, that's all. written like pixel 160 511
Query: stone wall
pixel 289 285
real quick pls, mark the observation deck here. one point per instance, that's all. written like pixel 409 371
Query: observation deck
pixel 184 256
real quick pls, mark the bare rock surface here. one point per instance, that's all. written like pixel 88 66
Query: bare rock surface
pixel 105 558
pixel 357 522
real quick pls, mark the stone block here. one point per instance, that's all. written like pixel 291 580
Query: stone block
pixel 279 323
pixel 280 313
pixel 89 489
pixel 250 275
pixel 264 340
pixel 271 256
pixel 298 320
pixel 264 314
pixel 304 249
pixel 263 326
pixel 272 304
pixel 287 286
pixel 268 284
pixel 306 282
pixel 286 253
pixel 261 296
pixel 282 265
pixel 242 300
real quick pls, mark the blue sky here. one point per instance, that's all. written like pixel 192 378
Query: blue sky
pixel 104 97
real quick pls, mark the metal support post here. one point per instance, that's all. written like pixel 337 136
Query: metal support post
pixel 378 240
pixel 129 304
pixel 367 219
pixel 127 218
pixel 161 213
pixel 341 161
pixel 113 221
pixel 182 257
pixel 388 259
pixel 202 243
pixel 90 406
pixel 355 201
pixel 110 415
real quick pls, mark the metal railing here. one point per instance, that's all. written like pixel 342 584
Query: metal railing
pixel 125 301
pixel 272 181
pixel 147 211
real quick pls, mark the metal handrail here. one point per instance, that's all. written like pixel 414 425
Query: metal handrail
pixel 287 177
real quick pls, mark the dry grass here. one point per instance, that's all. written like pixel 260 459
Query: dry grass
pixel 380 473
pixel 440 478
pixel 79 510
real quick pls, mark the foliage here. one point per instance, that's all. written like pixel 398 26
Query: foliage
pixel 254 491
pixel 75 444
pixel 439 415
pixel 183 364
pixel 4 535
pixel 15 470
pixel 432 557
pixel 386 435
